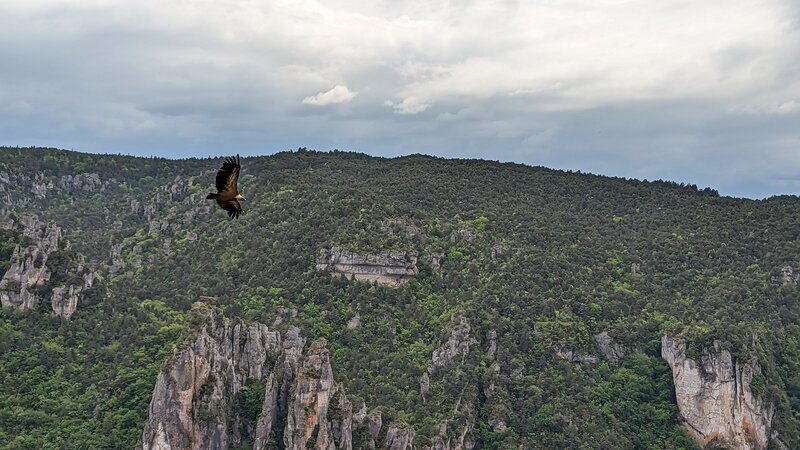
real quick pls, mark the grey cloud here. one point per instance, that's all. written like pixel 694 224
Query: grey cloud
pixel 149 77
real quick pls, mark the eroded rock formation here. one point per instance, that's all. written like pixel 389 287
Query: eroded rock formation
pixel 611 351
pixel 83 181
pixel 65 298
pixel 714 398
pixel 453 432
pixel 565 351
pixel 787 277
pixel 194 402
pixel 28 270
pixel 390 268
pixel 399 438
pixel 455 348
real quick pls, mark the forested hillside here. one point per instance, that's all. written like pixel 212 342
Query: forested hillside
pixel 532 314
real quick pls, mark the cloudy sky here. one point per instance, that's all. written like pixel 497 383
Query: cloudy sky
pixel 697 91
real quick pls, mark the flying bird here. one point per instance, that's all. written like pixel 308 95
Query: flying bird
pixel 227 196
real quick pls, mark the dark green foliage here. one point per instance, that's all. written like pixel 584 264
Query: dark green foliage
pixel 550 264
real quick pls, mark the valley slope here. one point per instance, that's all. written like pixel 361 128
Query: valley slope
pixel 428 302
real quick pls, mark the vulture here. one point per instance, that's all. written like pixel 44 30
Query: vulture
pixel 228 196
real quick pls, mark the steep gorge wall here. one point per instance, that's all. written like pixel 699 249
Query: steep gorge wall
pixel 715 401
pixel 29 271
pixel 194 403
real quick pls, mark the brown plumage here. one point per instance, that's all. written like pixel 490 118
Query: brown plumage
pixel 227 196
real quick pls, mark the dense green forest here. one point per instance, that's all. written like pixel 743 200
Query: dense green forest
pixel 552 258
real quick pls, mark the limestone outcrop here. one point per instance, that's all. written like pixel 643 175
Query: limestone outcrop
pixel 715 402
pixel 28 270
pixel 567 352
pixel 65 298
pixel 399 438
pixel 88 182
pixel 29 273
pixel 611 351
pixel 787 277
pixel 315 392
pixel 390 268
pixel 452 433
pixel 454 349
pixel 194 403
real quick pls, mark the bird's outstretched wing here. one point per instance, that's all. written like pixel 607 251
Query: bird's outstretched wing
pixel 228 176
pixel 234 209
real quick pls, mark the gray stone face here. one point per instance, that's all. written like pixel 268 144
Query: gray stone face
pixel 314 392
pixel 194 407
pixel 457 345
pixel 611 351
pixel 87 182
pixel 193 404
pixel 565 351
pixel 714 398
pixel 451 434
pixel 65 300
pixel 390 268
pixel 399 438
pixel 28 270
pixel 491 349
pixel 787 277
pixel 28 266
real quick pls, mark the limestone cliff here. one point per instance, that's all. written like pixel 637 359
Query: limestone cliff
pixel 194 403
pixel 714 398
pixel 399 438
pixel 28 270
pixel 611 351
pixel 453 433
pixel 308 416
pixel 390 268
pixel 30 275
pixel 787 277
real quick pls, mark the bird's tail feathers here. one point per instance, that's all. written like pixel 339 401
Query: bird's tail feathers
pixel 211 196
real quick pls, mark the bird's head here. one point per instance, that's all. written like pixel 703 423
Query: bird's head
pixel 240 198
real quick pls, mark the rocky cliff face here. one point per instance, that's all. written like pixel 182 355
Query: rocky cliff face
pixel 611 351
pixel 390 268
pixel 714 398
pixel 453 433
pixel 787 277
pixel 454 349
pixel 194 397
pixel 399 438
pixel 29 270
pixel 28 266
pixel 87 182
pixel 65 298
pixel 194 402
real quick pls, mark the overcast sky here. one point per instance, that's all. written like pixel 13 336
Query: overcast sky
pixel 698 91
